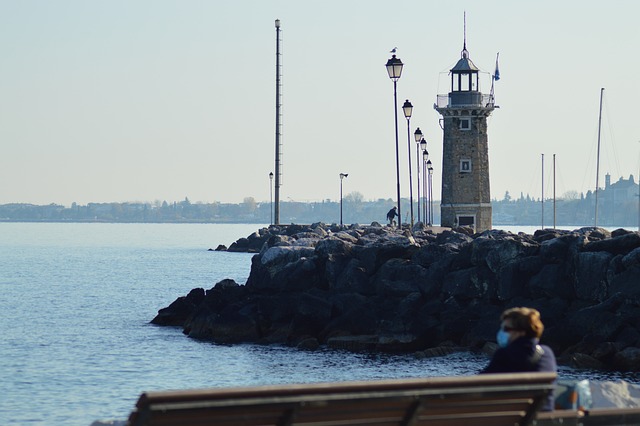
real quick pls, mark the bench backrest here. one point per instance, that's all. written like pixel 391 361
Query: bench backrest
pixel 490 399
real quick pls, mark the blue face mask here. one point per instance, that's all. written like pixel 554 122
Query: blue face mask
pixel 502 338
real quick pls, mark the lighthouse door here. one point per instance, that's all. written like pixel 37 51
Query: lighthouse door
pixel 469 221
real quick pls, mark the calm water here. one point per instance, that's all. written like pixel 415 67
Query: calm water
pixel 77 345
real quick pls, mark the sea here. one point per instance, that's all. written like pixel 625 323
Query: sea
pixel 76 344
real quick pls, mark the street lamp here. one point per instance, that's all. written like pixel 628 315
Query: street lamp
pixel 423 148
pixel 342 176
pixel 430 192
pixel 425 158
pixel 271 195
pixel 407 108
pixel 418 137
pixel 394 69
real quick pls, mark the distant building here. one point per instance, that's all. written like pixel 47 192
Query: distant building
pixel 622 190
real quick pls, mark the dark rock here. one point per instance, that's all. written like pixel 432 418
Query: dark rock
pixel 453 239
pixel 378 288
pixel 399 277
pixel 373 343
pixel 554 250
pixel 542 235
pixel 621 244
pixel 593 233
pixel 436 352
pixel 627 360
pixel 472 283
pixel 309 344
pixel 620 231
pixel 177 313
pixel 552 281
pixel 627 283
pixel 580 360
pixel 591 275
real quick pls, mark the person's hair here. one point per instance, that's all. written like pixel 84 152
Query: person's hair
pixel 524 319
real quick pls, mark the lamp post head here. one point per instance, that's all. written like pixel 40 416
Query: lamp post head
pixel 407 108
pixel 394 68
pixel 271 175
pixel 277 23
pixel 430 170
pixel 423 144
pixel 418 135
pixel 425 155
pixel 344 175
pixel 429 163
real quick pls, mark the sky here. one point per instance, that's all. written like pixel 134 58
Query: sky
pixel 162 100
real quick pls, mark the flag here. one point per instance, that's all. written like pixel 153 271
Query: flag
pixel 496 75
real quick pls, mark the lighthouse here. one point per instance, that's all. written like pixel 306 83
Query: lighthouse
pixel 466 197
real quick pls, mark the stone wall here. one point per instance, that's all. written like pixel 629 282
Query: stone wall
pixel 380 289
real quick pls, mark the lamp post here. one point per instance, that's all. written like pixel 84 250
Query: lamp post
pixel 423 148
pixel 407 108
pixel 394 69
pixel 425 158
pixel 430 168
pixel 342 176
pixel 418 137
pixel 271 196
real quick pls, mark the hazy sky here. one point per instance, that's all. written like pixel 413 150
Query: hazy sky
pixel 150 100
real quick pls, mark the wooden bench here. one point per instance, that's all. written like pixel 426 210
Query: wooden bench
pixel 491 399
pixel 594 417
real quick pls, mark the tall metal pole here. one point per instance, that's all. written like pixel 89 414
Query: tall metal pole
pixel 408 108
pixel 340 199
pixel 542 197
pixel 554 191
pixel 271 196
pixel 598 157
pixel 342 176
pixel 430 195
pixel 425 187
pixel 276 211
pixel 418 176
pixel 394 69
pixel 395 109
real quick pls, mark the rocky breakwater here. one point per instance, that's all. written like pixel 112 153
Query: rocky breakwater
pixel 380 289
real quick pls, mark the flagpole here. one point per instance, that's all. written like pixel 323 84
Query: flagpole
pixel 494 78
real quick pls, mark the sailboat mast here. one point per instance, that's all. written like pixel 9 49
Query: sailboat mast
pixel 598 157
pixel 542 197
pixel 554 191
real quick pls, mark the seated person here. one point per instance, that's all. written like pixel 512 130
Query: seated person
pixel 519 349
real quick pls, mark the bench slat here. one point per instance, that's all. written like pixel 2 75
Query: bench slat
pixel 487 399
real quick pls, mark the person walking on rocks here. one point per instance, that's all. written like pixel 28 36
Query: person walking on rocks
pixel 391 215
pixel 519 349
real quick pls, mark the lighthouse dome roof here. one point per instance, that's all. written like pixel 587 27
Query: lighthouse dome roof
pixel 465 64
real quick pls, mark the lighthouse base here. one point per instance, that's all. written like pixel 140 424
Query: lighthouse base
pixel 476 216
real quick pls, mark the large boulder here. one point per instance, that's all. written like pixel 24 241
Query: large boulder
pixel 591 275
pixel 177 312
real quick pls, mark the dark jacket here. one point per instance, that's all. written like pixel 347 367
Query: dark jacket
pixel 392 214
pixel 520 357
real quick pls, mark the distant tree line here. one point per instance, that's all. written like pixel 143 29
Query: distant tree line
pixel 614 209
pixel 355 210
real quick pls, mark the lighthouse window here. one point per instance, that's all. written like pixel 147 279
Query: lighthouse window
pixel 465 124
pixel 465 166
pixel 464 83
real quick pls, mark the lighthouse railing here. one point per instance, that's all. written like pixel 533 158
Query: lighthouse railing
pixel 465 99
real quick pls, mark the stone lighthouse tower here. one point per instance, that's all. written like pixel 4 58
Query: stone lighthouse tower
pixel 466 198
